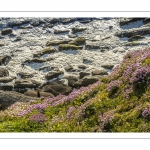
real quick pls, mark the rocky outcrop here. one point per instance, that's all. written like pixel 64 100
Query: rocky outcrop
pixel 4 72
pixel 57 42
pixel 66 20
pixel 135 38
pixel 6 87
pixel 36 93
pixel 57 89
pixel 4 59
pixel 107 66
pixel 71 80
pixel 78 41
pixel 61 31
pixel 7 79
pixel 83 74
pixel 69 68
pixel 86 81
pixel 99 72
pixel 25 75
pixel 69 46
pixel 7 98
pixel 54 20
pixel 78 29
pixel 126 21
pixel 53 74
pixel 132 32
pixel 26 83
pixel 6 31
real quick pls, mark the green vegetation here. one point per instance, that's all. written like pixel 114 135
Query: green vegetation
pixel 119 102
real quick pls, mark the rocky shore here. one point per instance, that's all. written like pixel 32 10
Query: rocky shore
pixel 45 57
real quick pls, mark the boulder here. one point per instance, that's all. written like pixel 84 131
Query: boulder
pixel 99 72
pixel 107 66
pixel 7 79
pixel 83 74
pixel 61 31
pixel 25 27
pixel 132 32
pixel 69 46
pixel 71 80
pixel 69 68
pixel 57 89
pixel 87 80
pixel 35 93
pixel 48 50
pixel 6 31
pixel 4 72
pixel 37 60
pixel 26 83
pixel 82 66
pixel 78 41
pixel 6 87
pixel 57 42
pixel 126 21
pixel 78 29
pixel 53 74
pixel 70 35
pixel 18 22
pixel 54 20
pixel 135 38
pixel 25 75
pixel 7 98
pixel 4 59
pixel 66 20
pixel 48 25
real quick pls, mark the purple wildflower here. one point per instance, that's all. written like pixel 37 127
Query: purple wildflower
pixel 37 118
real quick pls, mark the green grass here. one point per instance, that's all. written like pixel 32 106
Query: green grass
pixel 101 107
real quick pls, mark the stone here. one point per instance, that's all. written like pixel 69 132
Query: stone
pixel 69 46
pixel 83 74
pixel 82 66
pixel 66 20
pixel 132 32
pixel 68 68
pixel 71 80
pixel 57 42
pixel 48 25
pixel 126 21
pixel 25 75
pixel 78 29
pixel 92 45
pixel 2 44
pixel 86 81
pixel 18 38
pixel 7 98
pixel 25 27
pixel 53 74
pixel 54 20
pixel 70 35
pixel 48 50
pixel 37 60
pixel 107 66
pixel 4 72
pixel 78 41
pixel 4 59
pixel 7 79
pixel 34 93
pixel 26 83
pixel 57 89
pixel 6 87
pixel 61 31
pixel 135 38
pixel 18 22
pixel 99 72
pixel 6 31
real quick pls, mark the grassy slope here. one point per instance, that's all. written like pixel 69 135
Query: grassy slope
pixel 117 103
